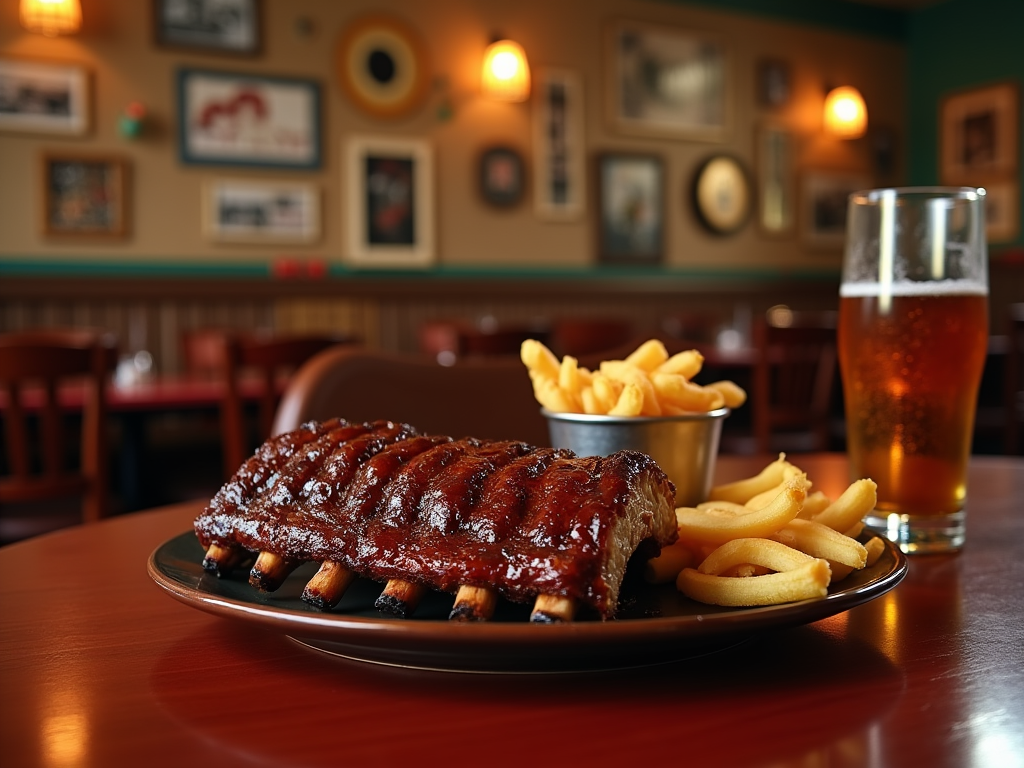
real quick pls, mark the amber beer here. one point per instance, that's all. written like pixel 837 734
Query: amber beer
pixel 911 363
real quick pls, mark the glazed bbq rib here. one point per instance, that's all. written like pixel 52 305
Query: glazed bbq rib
pixel 479 518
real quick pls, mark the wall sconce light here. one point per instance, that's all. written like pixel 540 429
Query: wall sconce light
pixel 506 74
pixel 845 113
pixel 51 17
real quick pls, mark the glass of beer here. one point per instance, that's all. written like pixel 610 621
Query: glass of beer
pixel 913 335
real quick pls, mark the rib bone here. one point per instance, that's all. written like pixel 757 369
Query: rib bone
pixel 474 604
pixel 328 586
pixel 270 571
pixel 551 609
pixel 221 560
pixel 400 598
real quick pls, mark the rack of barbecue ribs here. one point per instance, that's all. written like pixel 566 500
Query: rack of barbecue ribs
pixel 480 518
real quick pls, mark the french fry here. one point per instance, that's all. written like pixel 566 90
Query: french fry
pixel 821 541
pixel 797 576
pixel 686 364
pixel 570 381
pixel 674 389
pixel 628 374
pixel 551 396
pixel 704 525
pixel 851 506
pixel 630 402
pixel 667 565
pixel 741 491
pixel 539 359
pixel 648 355
pixel 606 391
pixel 875 547
pixel 815 503
pixel 590 402
pixel 733 395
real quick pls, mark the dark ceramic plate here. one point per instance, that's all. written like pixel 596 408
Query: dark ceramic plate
pixel 655 624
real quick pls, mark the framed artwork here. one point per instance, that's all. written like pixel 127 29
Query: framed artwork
pixel 631 206
pixel 382 66
pixel 825 196
pixel 44 97
pixel 979 134
pixel 251 211
pixel 776 194
pixel 210 26
pixel 1002 211
pixel 722 195
pixel 559 164
pixel 501 176
pixel 667 82
pixel 773 83
pixel 234 119
pixel 390 202
pixel 84 195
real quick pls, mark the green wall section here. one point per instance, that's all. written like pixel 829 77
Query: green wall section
pixel 841 15
pixel 951 46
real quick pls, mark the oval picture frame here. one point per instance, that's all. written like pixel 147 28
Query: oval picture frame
pixel 722 194
pixel 382 66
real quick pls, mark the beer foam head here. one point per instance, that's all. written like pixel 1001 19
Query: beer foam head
pixel 915 288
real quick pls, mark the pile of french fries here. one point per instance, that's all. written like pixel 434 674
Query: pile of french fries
pixel 767 540
pixel 648 382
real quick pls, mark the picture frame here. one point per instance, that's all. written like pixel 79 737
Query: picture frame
pixel 979 134
pixel 668 82
pixel 824 198
pixel 45 97
pixel 228 118
pixel 261 211
pixel 390 202
pixel 775 157
pixel 559 158
pixel 631 208
pixel 232 27
pixel 1002 211
pixel 722 194
pixel 501 176
pixel 84 195
pixel 773 83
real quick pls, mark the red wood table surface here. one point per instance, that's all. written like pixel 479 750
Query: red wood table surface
pixel 99 667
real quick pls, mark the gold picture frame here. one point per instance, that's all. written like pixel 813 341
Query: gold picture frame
pixel 84 195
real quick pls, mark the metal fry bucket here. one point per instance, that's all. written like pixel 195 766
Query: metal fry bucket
pixel 685 447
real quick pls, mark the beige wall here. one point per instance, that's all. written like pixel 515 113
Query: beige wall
pixel 117 45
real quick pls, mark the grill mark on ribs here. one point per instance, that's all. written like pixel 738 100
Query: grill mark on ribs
pixel 389 503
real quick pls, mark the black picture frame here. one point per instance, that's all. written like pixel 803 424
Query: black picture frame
pixel 773 83
pixel 631 208
pixel 230 27
pixel 501 176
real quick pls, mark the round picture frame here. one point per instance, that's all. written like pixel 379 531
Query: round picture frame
pixel 722 194
pixel 382 66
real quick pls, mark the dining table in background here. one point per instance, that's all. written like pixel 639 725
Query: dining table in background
pixel 99 667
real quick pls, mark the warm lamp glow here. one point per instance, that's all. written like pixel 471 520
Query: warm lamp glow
pixel 51 17
pixel 845 113
pixel 506 74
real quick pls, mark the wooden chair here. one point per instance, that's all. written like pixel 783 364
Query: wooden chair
pixel 232 356
pixel 449 340
pixel 34 364
pixel 487 397
pixel 793 378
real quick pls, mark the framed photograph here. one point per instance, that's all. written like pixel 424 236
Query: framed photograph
pixel 1002 211
pixel 390 201
pixel 979 134
pixel 559 162
pixel 825 196
pixel 667 82
pixel 251 211
pixel 722 195
pixel 631 205
pixel 773 83
pixel 501 176
pixel 234 119
pixel 84 195
pixel 42 97
pixel 210 26
pixel 776 194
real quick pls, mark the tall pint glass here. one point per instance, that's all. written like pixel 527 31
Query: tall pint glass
pixel 913 332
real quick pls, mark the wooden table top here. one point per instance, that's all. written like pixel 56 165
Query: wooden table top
pixel 99 667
